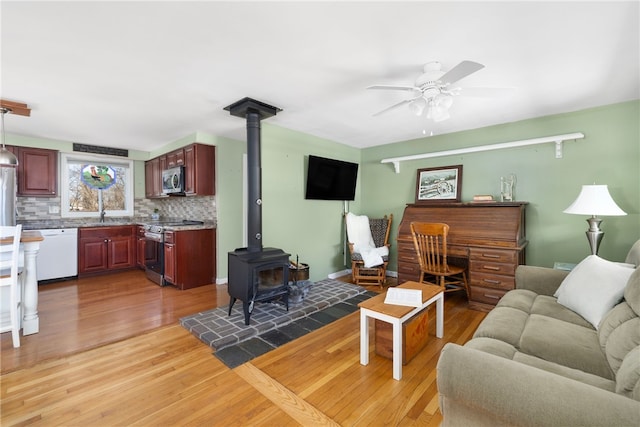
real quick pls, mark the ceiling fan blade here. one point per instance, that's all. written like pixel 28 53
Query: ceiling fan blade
pixel 460 71
pixel 486 92
pixel 394 106
pixel 392 87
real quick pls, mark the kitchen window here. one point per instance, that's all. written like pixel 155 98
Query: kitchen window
pixel 87 181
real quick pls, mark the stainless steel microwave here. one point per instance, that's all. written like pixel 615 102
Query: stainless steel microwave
pixel 173 180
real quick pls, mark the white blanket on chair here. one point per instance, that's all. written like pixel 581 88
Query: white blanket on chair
pixel 359 234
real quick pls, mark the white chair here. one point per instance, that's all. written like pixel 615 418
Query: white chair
pixel 10 277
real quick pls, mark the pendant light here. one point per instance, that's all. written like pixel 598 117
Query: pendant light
pixel 7 158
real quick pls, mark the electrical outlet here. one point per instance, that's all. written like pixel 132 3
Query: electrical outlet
pixel 54 209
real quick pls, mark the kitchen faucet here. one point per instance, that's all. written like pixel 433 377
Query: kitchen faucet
pixel 102 214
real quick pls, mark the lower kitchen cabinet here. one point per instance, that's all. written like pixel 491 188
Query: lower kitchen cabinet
pixel 190 258
pixel 105 249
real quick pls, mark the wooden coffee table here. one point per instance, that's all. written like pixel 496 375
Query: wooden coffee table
pixel 375 308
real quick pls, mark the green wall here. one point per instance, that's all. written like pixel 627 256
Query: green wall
pixel 314 230
pixel 609 154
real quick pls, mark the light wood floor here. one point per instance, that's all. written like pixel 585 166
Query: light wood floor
pixel 110 352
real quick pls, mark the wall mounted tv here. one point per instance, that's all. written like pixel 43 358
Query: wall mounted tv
pixel 329 179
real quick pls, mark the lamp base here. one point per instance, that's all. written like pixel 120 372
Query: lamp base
pixel 594 234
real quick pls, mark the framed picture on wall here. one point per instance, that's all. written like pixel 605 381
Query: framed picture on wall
pixel 442 184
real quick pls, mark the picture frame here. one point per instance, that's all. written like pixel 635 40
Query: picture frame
pixel 440 184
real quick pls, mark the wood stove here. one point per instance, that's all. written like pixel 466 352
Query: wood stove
pixel 256 274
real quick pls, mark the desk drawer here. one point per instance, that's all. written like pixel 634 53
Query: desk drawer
pixel 489 267
pixel 494 281
pixel 493 255
pixel 486 295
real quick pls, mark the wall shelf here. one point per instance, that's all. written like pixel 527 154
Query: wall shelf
pixel 557 139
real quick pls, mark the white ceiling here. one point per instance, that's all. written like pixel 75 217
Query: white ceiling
pixel 139 75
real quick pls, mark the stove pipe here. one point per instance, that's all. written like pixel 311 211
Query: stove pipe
pixel 253 111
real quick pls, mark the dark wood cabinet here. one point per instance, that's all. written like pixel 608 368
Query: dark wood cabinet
pixel 153 178
pixel 37 172
pixel 489 238
pixel 105 249
pixel 199 169
pixel 190 258
pixel 175 158
pixel 141 248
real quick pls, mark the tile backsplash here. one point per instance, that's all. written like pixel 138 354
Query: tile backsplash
pixel 198 207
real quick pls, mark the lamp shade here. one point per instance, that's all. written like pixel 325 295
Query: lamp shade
pixel 594 200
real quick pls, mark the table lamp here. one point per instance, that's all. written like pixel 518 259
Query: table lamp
pixel 594 200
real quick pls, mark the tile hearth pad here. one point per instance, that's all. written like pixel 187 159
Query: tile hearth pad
pixel 271 324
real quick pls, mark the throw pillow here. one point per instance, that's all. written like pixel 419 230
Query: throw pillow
pixel 593 288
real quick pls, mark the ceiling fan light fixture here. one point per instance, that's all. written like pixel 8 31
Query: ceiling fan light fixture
pixel 417 106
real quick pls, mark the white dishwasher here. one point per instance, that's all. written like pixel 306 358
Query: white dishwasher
pixel 58 254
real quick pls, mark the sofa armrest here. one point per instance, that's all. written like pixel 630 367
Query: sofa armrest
pixel 478 388
pixel 541 280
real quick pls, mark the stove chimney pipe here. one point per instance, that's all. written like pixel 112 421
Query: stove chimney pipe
pixel 253 111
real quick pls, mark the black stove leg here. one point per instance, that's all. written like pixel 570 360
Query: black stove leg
pixel 245 308
pixel 233 300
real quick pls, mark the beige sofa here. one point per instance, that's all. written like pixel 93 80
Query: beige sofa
pixel 534 362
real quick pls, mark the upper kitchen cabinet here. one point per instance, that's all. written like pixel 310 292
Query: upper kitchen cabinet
pixel 37 172
pixel 200 170
pixel 153 178
pixel 175 158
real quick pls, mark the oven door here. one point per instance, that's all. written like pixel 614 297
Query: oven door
pixel 154 259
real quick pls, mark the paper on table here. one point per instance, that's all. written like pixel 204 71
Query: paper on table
pixel 408 297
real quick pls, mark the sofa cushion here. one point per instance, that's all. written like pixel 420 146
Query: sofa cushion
pixel 548 306
pixel 593 287
pixel 632 291
pixel 521 299
pixel 504 324
pixel 507 351
pixel 574 374
pixel 628 376
pixel 633 257
pixel 619 333
pixel 565 343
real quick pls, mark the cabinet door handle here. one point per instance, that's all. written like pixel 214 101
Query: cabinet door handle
pixel 492 296
pixel 494 282
pixel 491 267
pixel 490 256
pixel 106 241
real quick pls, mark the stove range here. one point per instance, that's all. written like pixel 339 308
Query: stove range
pixel 154 247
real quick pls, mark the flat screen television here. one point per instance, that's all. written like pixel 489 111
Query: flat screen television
pixel 329 179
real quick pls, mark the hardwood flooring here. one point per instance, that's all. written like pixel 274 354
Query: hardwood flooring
pixel 110 352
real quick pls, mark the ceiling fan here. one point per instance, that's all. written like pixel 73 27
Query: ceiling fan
pixel 432 90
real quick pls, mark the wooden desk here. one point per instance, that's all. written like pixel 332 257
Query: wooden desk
pixel 30 242
pixel 375 308
pixel 489 238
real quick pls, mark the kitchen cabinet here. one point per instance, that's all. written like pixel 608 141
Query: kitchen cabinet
pixel 105 249
pixel 190 258
pixel 175 158
pixel 199 168
pixel 37 172
pixel 144 253
pixel 153 177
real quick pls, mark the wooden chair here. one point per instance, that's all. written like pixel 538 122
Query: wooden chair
pixel 10 276
pixel 361 275
pixel 430 241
